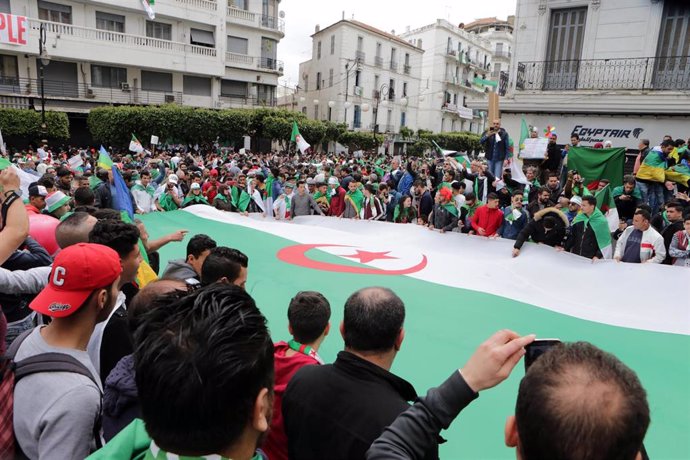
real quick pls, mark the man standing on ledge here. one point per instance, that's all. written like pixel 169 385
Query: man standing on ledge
pixel 496 142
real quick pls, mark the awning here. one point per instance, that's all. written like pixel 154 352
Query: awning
pixel 202 37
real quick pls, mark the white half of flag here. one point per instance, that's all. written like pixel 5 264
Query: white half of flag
pixel 302 145
pixel 135 146
pixel 75 162
pixel 149 9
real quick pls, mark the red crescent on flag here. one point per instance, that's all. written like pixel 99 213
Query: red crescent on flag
pixel 296 255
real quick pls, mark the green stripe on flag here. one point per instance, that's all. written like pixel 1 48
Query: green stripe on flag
pixel 597 164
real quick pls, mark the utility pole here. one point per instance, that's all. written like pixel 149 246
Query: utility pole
pixel 347 87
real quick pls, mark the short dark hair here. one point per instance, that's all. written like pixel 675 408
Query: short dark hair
pixel 63 171
pixel 629 179
pixel 117 235
pixel 644 213
pixel 223 262
pixel 370 188
pixel 575 135
pixel 107 214
pixel 373 319
pixel 71 230
pixel 146 298
pixel 668 143
pixel 84 196
pixel 553 174
pixel 518 193
pixel 200 243
pixel 675 205
pixel 543 189
pixel 197 392
pixel 593 405
pixel 145 173
pixel 308 314
pixel 491 196
pixel 46 181
pixel 458 185
pixel 645 206
pixel 590 199
pixel 470 196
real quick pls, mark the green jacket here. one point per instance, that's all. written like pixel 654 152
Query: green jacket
pixel 132 443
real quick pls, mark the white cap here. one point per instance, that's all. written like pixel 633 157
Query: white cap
pixel 172 178
pixel 577 200
pixel 195 186
pixel 332 181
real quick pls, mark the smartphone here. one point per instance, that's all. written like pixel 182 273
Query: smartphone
pixel 537 348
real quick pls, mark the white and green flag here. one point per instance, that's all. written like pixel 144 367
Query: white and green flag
pixel 297 138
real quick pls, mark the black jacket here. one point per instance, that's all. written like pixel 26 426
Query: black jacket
pixel 535 231
pixel 417 429
pixel 336 411
pixel 30 255
pixel 582 241
pixel 442 219
pixel 667 233
pixel 104 199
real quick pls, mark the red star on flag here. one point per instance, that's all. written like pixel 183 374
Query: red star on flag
pixel 367 256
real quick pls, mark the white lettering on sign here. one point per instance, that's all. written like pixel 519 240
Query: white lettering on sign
pixel 59 276
pixel 13 29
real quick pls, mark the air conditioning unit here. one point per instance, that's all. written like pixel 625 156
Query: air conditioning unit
pixel 169 98
pixel 124 86
pixel 89 93
pixel 358 91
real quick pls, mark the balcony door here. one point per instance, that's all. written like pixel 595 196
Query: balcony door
pixel 672 70
pixel 61 79
pixel 566 34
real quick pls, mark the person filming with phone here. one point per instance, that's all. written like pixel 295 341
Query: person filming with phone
pixel 575 402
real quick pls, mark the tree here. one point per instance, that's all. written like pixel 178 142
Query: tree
pixel 27 123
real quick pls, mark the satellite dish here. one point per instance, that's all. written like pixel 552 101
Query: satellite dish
pixel 281 15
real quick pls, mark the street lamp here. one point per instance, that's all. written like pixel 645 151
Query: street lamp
pixel 384 89
pixel 43 60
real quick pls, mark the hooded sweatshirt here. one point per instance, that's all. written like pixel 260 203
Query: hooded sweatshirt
pixel 180 270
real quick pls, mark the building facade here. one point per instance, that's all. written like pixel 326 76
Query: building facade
pixel 500 36
pixel 361 76
pixel 615 70
pixel 204 53
pixel 453 61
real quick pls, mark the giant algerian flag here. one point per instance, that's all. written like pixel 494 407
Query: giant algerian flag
pixel 297 138
pixel 622 308
pixel 597 164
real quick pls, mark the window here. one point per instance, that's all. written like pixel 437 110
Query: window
pixel 378 50
pixel 233 88
pixel 316 112
pixel 111 22
pixel 306 83
pixel 403 119
pixel 391 89
pixel 318 50
pixel 241 4
pixel 196 86
pixel 156 81
pixel 499 48
pixel 376 82
pixel 238 45
pixel 358 78
pixel 9 71
pixel 49 11
pixel 158 30
pixel 269 51
pixel 318 80
pixel 674 40
pixel 407 59
pixel 266 95
pixel 357 121
pixel 108 77
pixel 202 38
pixel 332 45
pixel 360 43
pixel 330 78
pixel 61 79
pixel 404 92
pixel 449 45
pixel 5 6
pixel 393 55
pixel 566 34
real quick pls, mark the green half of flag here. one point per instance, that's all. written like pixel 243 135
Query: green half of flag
pixel 356 199
pixel 483 82
pixel 450 207
pixel 596 164
pixel 600 225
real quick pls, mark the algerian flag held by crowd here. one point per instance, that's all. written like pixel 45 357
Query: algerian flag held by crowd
pixel 597 164
pixel 148 7
pixel 297 138
pixel 461 157
pixel 607 205
pixel 135 145
pixel 543 291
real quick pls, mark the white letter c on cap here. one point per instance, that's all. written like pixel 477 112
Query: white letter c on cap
pixel 59 276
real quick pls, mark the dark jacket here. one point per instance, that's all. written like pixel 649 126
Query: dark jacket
pixel 442 219
pixel 536 232
pixel 553 158
pixel 120 398
pixel 492 150
pixel 511 228
pixel 667 233
pixel 582 241
pixel 418 428
pixel 104 198
pixel 336 411
pixel 30 255
pixel 534 207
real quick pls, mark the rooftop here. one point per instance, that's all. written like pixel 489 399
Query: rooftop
pixel 371 29
pixel 488 22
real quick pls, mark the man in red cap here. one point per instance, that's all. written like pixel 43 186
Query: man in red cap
pixel 210 188
pixel 55 412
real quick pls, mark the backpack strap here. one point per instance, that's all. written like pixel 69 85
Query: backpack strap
pixel 50 362
pixel 16 343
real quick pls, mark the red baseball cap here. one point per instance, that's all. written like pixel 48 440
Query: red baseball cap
pixel 77 271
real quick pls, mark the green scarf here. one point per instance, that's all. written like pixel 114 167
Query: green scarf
pixel 239 199
pixel 597 221
pixel 221 197
pixel 400 212
pixel 473 208
pixel 194 199
pixel 140 188
pixel 269 186
pixel 450 207
pixel 356 198
pixel 167 203
pixel 319 195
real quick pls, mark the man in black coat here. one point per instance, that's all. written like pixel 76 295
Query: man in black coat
pixel 669 224
pixel 548 227
pixel 336 411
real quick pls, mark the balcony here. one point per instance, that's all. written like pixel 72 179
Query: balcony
pixel 267 63
pixel 29 88
pixel 241 16
pixel 360 55
pixel 239 60
pixel 406 69
pixel 378 61
pixel 394 65
pixel 210 5
pixel 502 54
pixel 87 35
pixel 227 101
pixel 650 73
pixel 273 23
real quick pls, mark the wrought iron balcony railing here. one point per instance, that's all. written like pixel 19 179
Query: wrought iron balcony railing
pixel 666 73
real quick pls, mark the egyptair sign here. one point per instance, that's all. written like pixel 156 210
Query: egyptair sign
pixel 13 29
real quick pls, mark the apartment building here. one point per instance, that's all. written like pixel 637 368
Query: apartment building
pixel 615 70
pixel 499 33
pixel 204 53
pixel 453 64
pixel 362 76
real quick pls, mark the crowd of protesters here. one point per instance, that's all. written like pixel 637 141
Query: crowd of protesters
pixel 183 366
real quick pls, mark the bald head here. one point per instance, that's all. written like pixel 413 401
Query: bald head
pixel 373 320
pixel 74 229
pixel 594 405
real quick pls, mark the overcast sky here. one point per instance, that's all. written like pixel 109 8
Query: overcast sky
pixel 302 15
